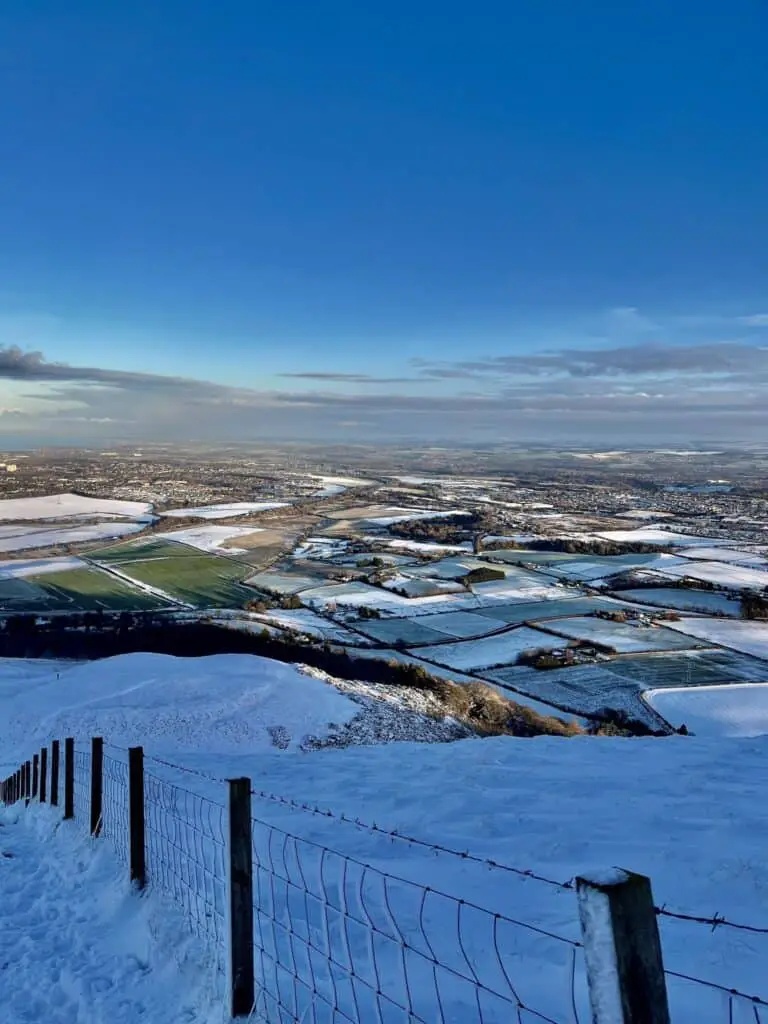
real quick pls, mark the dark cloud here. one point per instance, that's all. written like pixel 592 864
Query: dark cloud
pixel 347 378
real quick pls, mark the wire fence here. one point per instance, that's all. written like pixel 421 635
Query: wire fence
pixel 82 788
pixel 344 937
pixel 186 856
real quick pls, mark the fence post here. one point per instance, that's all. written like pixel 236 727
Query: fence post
pixel 622 949
pixel 35 774
pixel 240 885
pixel 136 816
pixel 43 774
pixel 97 783
pixel 69 778
pixel 55 773
pixel 27 782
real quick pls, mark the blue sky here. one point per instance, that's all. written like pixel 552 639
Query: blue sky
pixel 383 221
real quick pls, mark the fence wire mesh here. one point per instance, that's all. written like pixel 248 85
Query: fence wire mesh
pixel 186 855
pixel 338 940
pixel 115 825
pixel 82 789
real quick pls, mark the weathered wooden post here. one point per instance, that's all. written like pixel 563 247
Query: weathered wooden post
pixel 69 778
pixel 137 855
pixel 27 782
pixel 97 784
pixel 43 774
pixel 622 949
pixel 35 774
pixel 240 884
pixel 55 773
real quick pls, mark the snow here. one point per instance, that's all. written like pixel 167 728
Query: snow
pixel 83 947
pixel 644 513
pixel 736 634
pixel 461 624
pixel 553 806
pixel 39 566
pixel 652 535
pixel 75 535
pixel 685 599
pixel 302 620
pixel 404 515
pixel 725 555
pixel 740 709
pixel 623 637
pixel 224 511
pixel 427 548
pixel 222 703
pixel 721 573
pixel 502 649
pixel 65 506
pixel 212 538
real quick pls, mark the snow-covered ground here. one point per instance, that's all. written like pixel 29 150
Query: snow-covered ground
pixel 684 599
pixel 404 515
pixel 725 555
pixel 557 807
pixel 738 635
pixel 623 637
pixel 212 538
pixel 66 506
pixel 737 710
pixel 225 510
pixel 38 566
pixel 722 574
pixel 473 655
pixel 653 535
pixel 74 535
pixel 428 548
pixel 220 704
pixel 76 943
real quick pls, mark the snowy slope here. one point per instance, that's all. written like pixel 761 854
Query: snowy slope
pixel 84 948
pixel 219 704
pixel 737 710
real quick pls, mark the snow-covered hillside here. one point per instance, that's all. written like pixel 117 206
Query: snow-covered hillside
pixel 558 807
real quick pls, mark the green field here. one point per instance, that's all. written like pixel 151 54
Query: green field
pixel 73 590
pixel 198 579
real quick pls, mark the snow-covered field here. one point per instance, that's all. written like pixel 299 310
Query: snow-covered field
pixel 427 547
pixel 684 599
pixel 653 535
pixel 725 555
pixel 38 566
pixel 212 538
pixel 723 574
pixel 623 637
pixel 66 506
pixel 224 511
pixel 70 535
pixel 404 515
pixel 473 655
pixel 737 710
pixel 738 635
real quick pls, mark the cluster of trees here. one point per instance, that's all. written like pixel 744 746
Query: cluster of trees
pixel 754 606
pixel 580 546
pixel 447 530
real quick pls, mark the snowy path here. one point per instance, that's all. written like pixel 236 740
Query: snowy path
pixel 78 947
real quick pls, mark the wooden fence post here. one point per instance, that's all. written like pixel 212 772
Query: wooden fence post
pixel 622 949
pixel 69 778
pixel 35 774
pixel 55 773
pixel 27 782
pixel 136 816
pixel 97 783
pixel 43 774
pixel 240 884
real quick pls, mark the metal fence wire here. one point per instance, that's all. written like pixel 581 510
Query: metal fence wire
pixel 115 825
pixel 82 788
pixel 186 855
pixel 338 940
